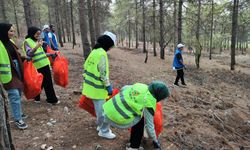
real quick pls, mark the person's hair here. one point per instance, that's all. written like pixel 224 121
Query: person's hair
pixel 31 32
pixel 104 42
pixel 4 29
pixel 51 26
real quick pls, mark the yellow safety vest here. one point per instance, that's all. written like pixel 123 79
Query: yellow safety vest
pixel 93 86
pixel 129 103
pixel 5 67
pixel 39 59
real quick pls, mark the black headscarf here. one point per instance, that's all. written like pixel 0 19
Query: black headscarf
pixel 31 32
pixel 104 42
pixel 4 29
pixel 159 90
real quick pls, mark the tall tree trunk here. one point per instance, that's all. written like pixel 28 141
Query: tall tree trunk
pixel 83 28
pixel 72 23
pixel 175 24
pixel 154 28
pixel 161 19
pixel 180 21
pixel 91 23
pixel 5 134
pixel 57 17
pixel 143 26
pixel 3 16
pixel 198 46
pixel 49 13
pixel 129 30
pixel 15 13
pixel 234 32
pixel 27 12
pixel 96 17
pixel 211 31
pixel 136 25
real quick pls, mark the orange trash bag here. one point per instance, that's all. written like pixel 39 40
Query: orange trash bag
pixel 158 119
pixel 50 51
pixel 60 71
pixel 88 105
pixel 32 80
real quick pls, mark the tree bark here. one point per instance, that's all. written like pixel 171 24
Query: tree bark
pixel 15 13
pixel 3 16
pixel 96 17
pixel 72 24
pixel 83 28
pixel 58 24
pixel 175 24
pixel 143 26
pixel 180 21
pixel 136 25
pixel 5 134
pixel 234 32
pixel 161 19
pixel 27 12
pixel 211 31
pixel 198 46
pixel 154 28
pixel 91 23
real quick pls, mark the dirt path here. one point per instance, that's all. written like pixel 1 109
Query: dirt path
pixel 211 113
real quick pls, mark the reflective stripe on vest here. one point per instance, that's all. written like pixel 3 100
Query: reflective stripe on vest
pixel 5 67
pixel 93 86
pixel 129 103
pixel 39 58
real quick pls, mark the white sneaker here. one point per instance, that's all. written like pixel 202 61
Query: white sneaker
pixel 98 128
pixel 108 135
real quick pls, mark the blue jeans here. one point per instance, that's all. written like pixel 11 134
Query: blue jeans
pixel 14 96
pixel 104 128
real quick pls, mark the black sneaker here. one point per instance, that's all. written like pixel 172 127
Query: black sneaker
pixel 58 102
pixel 129 148
pixel 24 116
pixel 184 84
pixel 176 84
pixel 21 124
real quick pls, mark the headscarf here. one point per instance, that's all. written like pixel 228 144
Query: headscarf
pixel 159 90
pixel 104 42
pixel 4 37
pixel 4 28
pixel 31 32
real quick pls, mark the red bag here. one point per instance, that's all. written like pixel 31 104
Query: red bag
pixel 88 105
pixel 32 80
pixel 158 119
pixel 50 51
pixel 60 71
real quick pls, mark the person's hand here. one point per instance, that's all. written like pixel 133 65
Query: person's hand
pixel 156 144
pixel 39 43
pixel 53 55
pixel 110 90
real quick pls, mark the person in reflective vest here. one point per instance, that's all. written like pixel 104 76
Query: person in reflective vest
pixel 96 85
pixel 131 106
pixel 32 47
pixel 11 73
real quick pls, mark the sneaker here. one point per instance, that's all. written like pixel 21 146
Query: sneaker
pixel 21 124
pixel 176 84
pixel 98 128
pixel 183 84
pixel 37 101
pixel 24 116
pixel 58 102
pixel 108 135
pixel 129 148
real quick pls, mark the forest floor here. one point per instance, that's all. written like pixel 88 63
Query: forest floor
pixel 212 112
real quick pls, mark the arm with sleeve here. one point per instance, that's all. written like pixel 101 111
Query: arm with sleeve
pixel 149 118
pixel 103 72
pixel 29 51
pixel 179 58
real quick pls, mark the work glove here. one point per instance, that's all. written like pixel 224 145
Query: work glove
pixel 28 58
pixel 53 55
pixel 110 90
pixel 156 144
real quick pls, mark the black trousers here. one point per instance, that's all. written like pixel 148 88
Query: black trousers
pixel 180 75
pixel 136 134
pixel 47 85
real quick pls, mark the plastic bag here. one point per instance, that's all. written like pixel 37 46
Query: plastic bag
pixel 32 80
pixel 88 105
pixel 158 119
pixel 50 51
pixel 60 71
